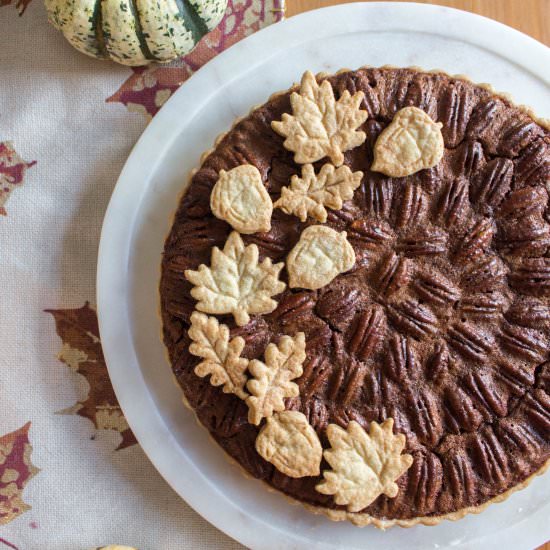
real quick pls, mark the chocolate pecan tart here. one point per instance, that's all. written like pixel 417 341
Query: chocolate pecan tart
pixel 355 295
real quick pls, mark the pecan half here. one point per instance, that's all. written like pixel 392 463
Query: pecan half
pixel 482 117
pixel 369 234
pixel 292 306
pixel 438 363
pixel 524 342
pixel 461 410
pixel 490 457
pixel 413 319
pixel 470 158
pixel 411 207
pixel 533 165
pixel 525 237
pixel 524 202
pixel 476 241
pixel 519 435
pixel 423 243
pixel 490 399
pixel 400 362
pixel 425 479
pixel 338 306
pixel 532 276
pixel 394 274
pixel 469 341
pixel 454 203
pixel 377 194
pixel 423 411
pixel 492 183
pixel 485 275
pixel 367 333
pixel 436 289
pixel 517 135
pixel 516 376
pixel 454 111
pixel 529 312
pixel 481 306
pixel 537 409
pixel 460 477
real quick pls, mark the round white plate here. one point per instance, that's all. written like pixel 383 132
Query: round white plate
pixel 138 219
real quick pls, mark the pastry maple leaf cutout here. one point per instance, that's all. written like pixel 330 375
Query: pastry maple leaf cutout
pixel 320 255
pixel 310 194
pixel 241 199
pixel 12 171
pixel 320 126
pixel 16 469
pixel 289 442
pixel 236 283
pixel 412 142
pixel 222 356
pixel 364 465
pixel 81 351
pixel 272 380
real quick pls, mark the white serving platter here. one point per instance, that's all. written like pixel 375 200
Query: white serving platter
pixel 139 216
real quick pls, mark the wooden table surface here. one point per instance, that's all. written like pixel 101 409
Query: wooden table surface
pixel 529 16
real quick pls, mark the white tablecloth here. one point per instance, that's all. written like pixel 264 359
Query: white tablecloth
pixel 62 146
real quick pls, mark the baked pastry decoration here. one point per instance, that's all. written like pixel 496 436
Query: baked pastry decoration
pixel 321 126
pixel 364 465
pixel 240 198
pixel 308 195
pixel 221 356
pixel 288 441
pixel 236 282
pixel 320 255
pixel 271 381
pixel 409 334
pixel 412 142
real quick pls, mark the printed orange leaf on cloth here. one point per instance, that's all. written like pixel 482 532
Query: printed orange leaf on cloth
pixel 147 89
pixel 16 469
pixel 12 172
pixel 82 352
pixel 20 5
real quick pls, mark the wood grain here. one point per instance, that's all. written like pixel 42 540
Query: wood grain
pixel 529 16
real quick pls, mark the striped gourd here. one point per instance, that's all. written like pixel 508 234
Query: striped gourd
pixel 135 32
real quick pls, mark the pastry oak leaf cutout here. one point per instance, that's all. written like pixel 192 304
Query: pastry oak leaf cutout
pixel 318 257
pixel 412 142
pixel 290 443
pixel 321 126
pixel 241 199
pixel 310 194
pixel 236 282
pixel 222 356
pixel 364 465
pixel 272 379
pixel 16 469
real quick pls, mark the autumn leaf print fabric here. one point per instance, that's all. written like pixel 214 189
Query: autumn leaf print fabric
pixel 71 472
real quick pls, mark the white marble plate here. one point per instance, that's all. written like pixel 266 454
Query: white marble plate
pixel 138 219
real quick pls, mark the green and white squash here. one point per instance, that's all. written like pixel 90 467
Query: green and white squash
pixel 135 32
